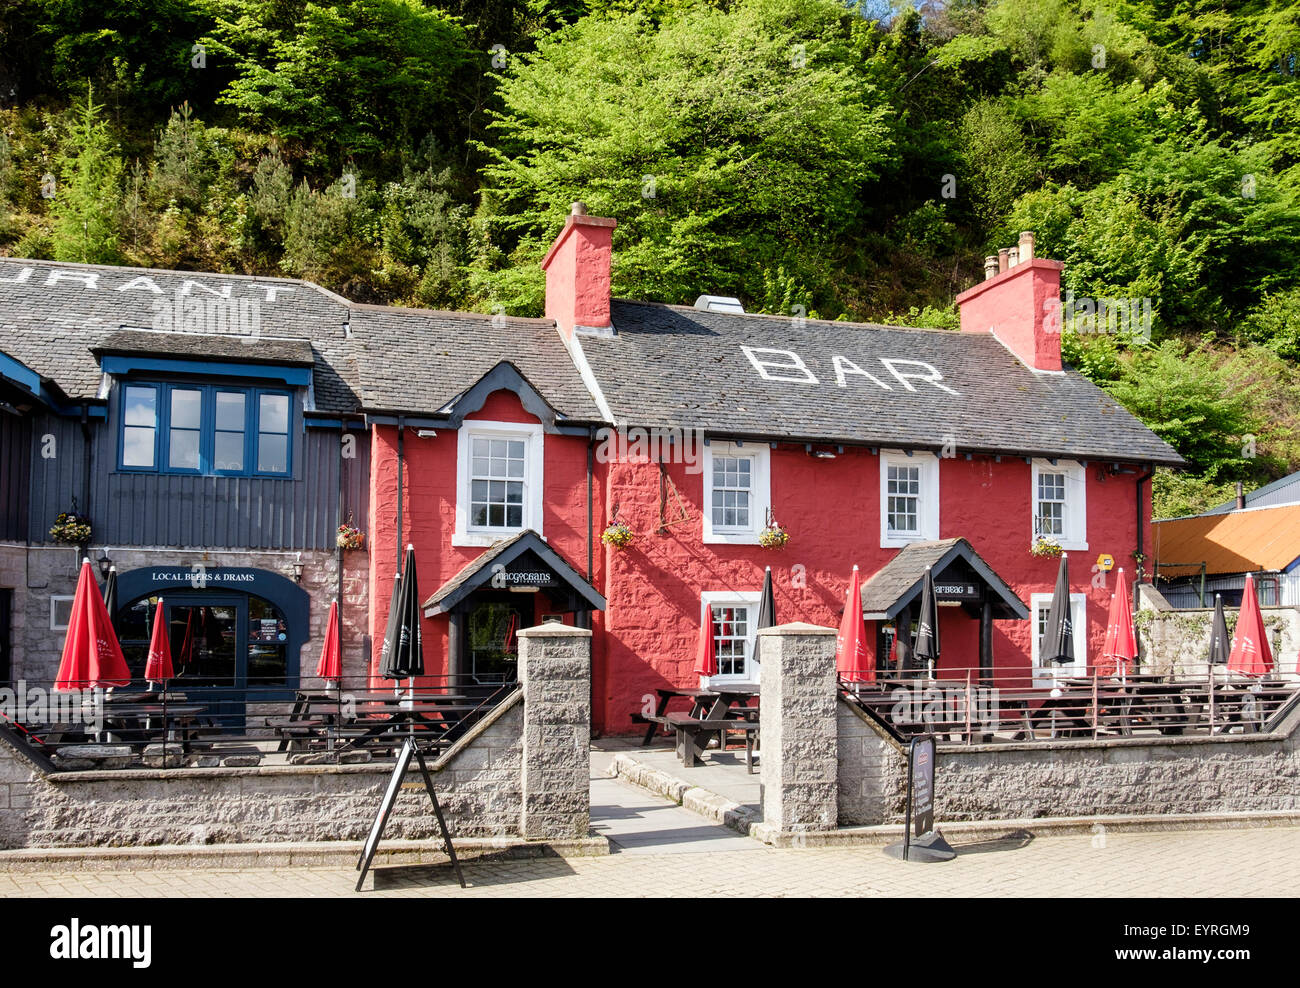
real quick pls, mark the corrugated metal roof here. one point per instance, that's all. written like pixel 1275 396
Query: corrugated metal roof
pixel 1239 542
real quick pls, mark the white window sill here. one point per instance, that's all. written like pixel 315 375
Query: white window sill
pixel 731 538
pixel 901 541
pixel 483 538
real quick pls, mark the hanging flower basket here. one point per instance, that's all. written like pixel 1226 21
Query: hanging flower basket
pixel 773 537
pixel 350 537
pixel 70 528
pixel 1045 545
pixel 617 535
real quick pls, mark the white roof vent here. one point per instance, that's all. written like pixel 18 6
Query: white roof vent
pixel 719 303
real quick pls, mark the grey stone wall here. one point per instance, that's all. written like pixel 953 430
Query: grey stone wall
pixel 1221 774
pixel 1177 642
pixel 555 675
pixel 42 572
pixel 798 727
pixel 478 783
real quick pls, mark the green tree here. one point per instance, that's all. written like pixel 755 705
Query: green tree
pixel 725 143
pixel 86 201
pixel 341 78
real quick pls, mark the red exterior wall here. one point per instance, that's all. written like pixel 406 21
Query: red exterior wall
pixel 429 516
pixel 647 636
pixel 1021 306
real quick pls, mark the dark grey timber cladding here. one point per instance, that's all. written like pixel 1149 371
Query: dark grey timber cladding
pixel 218 512
pixel 15 445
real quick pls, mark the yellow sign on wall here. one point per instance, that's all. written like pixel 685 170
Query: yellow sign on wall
pixel 1105 562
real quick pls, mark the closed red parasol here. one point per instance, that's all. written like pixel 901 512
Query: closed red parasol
pixel 330 666
pixel 1251 654
pixel 1120 649
pixel 158 667
pixel 851 659
pixel 91 653
pixel 706 653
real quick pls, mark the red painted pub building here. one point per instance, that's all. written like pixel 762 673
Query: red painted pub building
pixel 501 449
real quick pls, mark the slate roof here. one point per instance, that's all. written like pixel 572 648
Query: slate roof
pixel 52 324
pixel 478 571
pixel 416 360
pixel 236 349
pixel 673 366
pixel 898 582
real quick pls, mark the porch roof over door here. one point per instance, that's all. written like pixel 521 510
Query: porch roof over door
pixel 960 573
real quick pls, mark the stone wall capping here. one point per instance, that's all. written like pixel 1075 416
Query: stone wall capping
pixel 797 628
pixel 553 629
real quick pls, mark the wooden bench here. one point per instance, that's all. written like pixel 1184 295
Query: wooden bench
pixel 693 734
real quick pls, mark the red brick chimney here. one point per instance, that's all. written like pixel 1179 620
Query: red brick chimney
pixel 577 274
pixel 1019 302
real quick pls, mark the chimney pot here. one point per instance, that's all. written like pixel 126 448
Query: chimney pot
pixel 579 208
pixel 1027 245
pixel 990 267
pixel 1002 260
pixel 1241 497
pixel 1013 257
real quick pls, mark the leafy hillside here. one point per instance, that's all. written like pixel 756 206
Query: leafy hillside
pixel 846 158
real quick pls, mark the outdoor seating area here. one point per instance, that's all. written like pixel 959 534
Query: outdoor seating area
pixel 959 710
pixel 714 717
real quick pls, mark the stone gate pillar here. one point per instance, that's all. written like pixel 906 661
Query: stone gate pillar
pixel 555 674
pixel 797 732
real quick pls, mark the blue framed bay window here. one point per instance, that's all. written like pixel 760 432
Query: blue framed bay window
pixel 206 429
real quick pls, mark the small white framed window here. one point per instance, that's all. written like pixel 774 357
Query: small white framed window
pixel 909 498
pixel 1060 504
pixel 498 481
pixel 1046 672
pixel 733 615
pixel 60 612
pixel 737 491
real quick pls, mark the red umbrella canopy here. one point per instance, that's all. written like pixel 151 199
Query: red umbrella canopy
pixel 91 654
pixel 851 644
pixel 1120 650
pixel 706 653
pixel 330 665
pixel 1250 653
pixel 158 667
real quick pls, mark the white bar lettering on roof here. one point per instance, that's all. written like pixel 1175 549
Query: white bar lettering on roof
pixel 189 284
pixel 20 277
pixel 845 366
pixel 931 375
pixel 88 279
pixel 273 289
pixel 141 282
pixel 795 364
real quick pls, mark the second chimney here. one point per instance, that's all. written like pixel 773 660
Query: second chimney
pixel 578 274
pixel 1019 302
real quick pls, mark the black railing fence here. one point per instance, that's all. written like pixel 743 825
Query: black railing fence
pixel 960 708
pixel 206 723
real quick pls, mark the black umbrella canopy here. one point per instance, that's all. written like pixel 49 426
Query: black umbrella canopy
pixel 403 652
pixel 1058 634
pixel 110 596
pixel 1220 643
pixel 766 604
pixel 927 623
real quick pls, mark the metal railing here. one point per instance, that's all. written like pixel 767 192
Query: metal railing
pixel 211 723
pixel 958 707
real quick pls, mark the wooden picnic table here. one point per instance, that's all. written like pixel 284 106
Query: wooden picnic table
pixel 705 704
pixel 136 722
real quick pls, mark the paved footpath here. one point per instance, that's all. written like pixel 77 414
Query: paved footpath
pixel 659 849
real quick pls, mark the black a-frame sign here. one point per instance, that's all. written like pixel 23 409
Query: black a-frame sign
pixel 390 797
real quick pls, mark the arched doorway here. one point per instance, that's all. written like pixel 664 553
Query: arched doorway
pixel 229 646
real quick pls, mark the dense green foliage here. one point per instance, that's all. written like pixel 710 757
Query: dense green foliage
pixel 852 159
